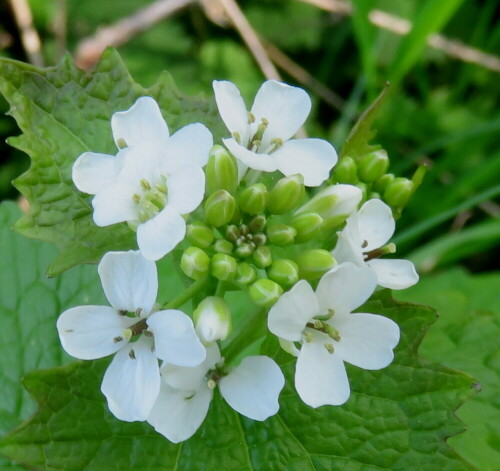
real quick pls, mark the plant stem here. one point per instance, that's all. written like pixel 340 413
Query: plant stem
pixel 187 294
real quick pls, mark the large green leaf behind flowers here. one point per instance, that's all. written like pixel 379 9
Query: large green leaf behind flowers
pixel 63 112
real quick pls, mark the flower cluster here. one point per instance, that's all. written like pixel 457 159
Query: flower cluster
pixel 240 216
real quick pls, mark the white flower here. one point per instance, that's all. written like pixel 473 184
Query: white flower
pixel 252 389
pixel 152 181
pixel 329 333
pixel 260 138
pixel 132 381
pixel 365 232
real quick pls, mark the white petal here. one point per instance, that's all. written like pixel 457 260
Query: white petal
pixel 129 281
pixel 141 124
pixel 263 162
pixel 376 224
pixel 345 287
pixel 115 204
pixel 161 234
pixel 232 108
pixel 189 146
pixel 92 172
pixel 175 339
pixel 185 189
pixel 366 340
pixel 140 163
pixel 311 158
pixel 320 377
pixel 293 310
pixel 132 382
pixel 285 107
pixel 181 377
pixel 177 414
pixel 253 387
pixel 87 332
pixel 394 273
pixel 347 249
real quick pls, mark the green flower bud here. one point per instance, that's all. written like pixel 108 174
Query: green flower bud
pixel 381 184
pixel 244 250
pixel 223 266
pixel 345 171
pixel 262 256
pixel 281 234
pixel 285 272
pixel 232 233
pixel 219 208
pixel 314 263
pixel 252 200
pixel 245 273
pixel 212 319
pixel 286 194
pixel 373 166
pixel 265 292
pixel 195 263
pixel 199 234
pixel 259 239
pixel 257 223
pixel 307 225
pixel 221 171
pixel 398 193
pixel 223 246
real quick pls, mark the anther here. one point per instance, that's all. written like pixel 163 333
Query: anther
pixel 121 143
pixel 329 348
pixel 138 311
pixel 251 117
pixel 308 337
pixel 131 354
pixel 136 198
pixel 145 184
pixel 237 137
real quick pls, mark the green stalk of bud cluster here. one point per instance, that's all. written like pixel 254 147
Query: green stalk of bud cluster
pixel 223 266
pixel 199 234
pixel 307 225
pixel 345 171
pixel 314 263
pixel 252 200
pixel 373 166
pixel 284 272
pixel 265 292
pixel 281 234
pixel 262 256
pixel 245 273
pixel 195 263
pixel 219 208
pixel 221 172
pixel 212 319
pixel 286 194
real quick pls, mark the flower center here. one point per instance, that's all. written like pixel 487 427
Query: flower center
pixel 152 199
pixel 255 142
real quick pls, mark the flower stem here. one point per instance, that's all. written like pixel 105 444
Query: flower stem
pixel 187 294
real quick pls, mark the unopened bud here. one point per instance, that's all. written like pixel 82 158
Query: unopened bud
pixel 373 166
pixel 262 256
pixel 314 263
pixel 223 246
pixel 257 223
pixel 223 266
pixel 345 171
pixel 219 208
pixel 383 182
pixel 259 239
pixel 212 319
pixel 244 250
pixel 195 263
pixel 286 194
pixel 265 292
pixel 281 234
pixel 252 200
pixel 245 273
pixel 398 193
pixel 232 233
pixel 285 272
pixel 221 171
pixel 199 234
pixel 307 225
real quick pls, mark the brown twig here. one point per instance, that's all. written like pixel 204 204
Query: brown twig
pixel 29 35
pixel 90 49
pixel 400 26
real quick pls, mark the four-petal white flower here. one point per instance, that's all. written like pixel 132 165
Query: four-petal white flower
pixel 132 381
pixel 329 333
pixel 152 181
pixel 252 389
pixel 261 138
pixel 364 233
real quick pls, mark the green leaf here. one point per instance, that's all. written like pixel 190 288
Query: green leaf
pixel 357 143
pixel 63 112
pixel 397 419
pixel 466 337
pixel 29 305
